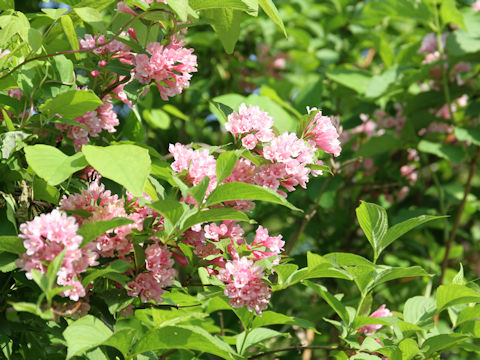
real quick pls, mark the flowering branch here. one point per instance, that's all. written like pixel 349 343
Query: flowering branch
pixel 116 35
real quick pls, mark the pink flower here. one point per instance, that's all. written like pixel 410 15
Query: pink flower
pixel 322 134
pixel 274 244
pixel 253 121
pixel 15 93
pixel 149 285
pixel 382 311
pixel 476 5
pixel 245 286
pixel 169 66
pixel 45 238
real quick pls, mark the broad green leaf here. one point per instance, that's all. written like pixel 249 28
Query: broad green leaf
pixel 84 334
pixel 52 270
pixel 71 104
pixel 116 266
pixel 8 262
pixel 243 191
pixel 51 164
pixel 257 335
pixel 284 271
pixel 214 215
pixel 12 244
pixel 198 191
pixel 471 134
pixel 313 260
pixel 461 43
pixel 35 39
pixel 91 16
pixel 157 118
pixel 374 223
pixel 171 210
pixel 376 11
pixel 409 348
pixel 402 228
pixel 419 310
pixel 226 23
pixel 274 318
pixel 380 84
pixel 452 294
pixel 122 340
pixel 270 9
pixel 450 13
pixel 249 6
pixel 40 279
pixel 225 163
pixel 378 145
pixel 441 342
pixel 354 79
pixel 449 152
pixel 469 313
pixel 331 300
pixel 70 33
pixel 128 165
pixel 384 274
pixel 54 14
pixel 182 337
pixel 347 259
pixel 91 230
pixel 181 8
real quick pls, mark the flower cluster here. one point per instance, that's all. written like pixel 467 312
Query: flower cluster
pixel 245 286
pixel 46 236
pixel 169 66
pixel 160 274
pixel 91 124
pixel 323 134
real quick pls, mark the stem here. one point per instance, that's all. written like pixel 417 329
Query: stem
pixel 456 224
pixel 247 331
pixel 293 240
pixel 116 35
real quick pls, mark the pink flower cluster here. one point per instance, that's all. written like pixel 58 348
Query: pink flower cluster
pixel 245 286
pixel 160 274
pixel 169 66
pixel 382 311
pixel 262 241
pixel 198 163
pixel 114 49
pixel 46 236
pixel 252 124
pixel 93 122
pixel 322 134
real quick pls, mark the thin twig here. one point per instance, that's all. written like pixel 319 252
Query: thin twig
pixel 456 224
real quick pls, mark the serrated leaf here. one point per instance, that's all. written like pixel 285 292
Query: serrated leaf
pixel 452 294
pixel 373 221
pixel 225 163
pixel 71 104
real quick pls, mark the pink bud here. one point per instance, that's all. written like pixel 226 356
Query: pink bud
pixel 95 73
pixel 180 258
pixel 133 34
pixel 122 7
pixel 102 63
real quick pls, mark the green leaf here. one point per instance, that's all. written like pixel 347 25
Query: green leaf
pixel 449 152
pixel 249 6
pixel 384 274
pixel 52 270
pixel 453 294
pixel 51 164
pixel 471 134
pixel 8 262
pixel 156 118
pixel 8 121
pixel 12 244
pixel 402 228
pixel 441 342
pixel 91 230
pixel 40 279
pixel 226 23
pixel 180 7
pixel 270 9
pixel 211 215
pixel 91 16
pixel 409 348
pixel 274 318
pixel 35 39
pixel 128 165
pixel 377 145
pixel 122 340
pixel 70 33
pixel 71 104
pixel 116 266
pixel 198 191
pixel 246 341
pixel 243 191
pixel 171 210
pixel 182 337
pixel 419 310
pixel 85 333
pixel 376 11
pixel 331 300
pixel 373 221
pixel 354 79
pixel 225 163
pixel 469 313
pixel 450 13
